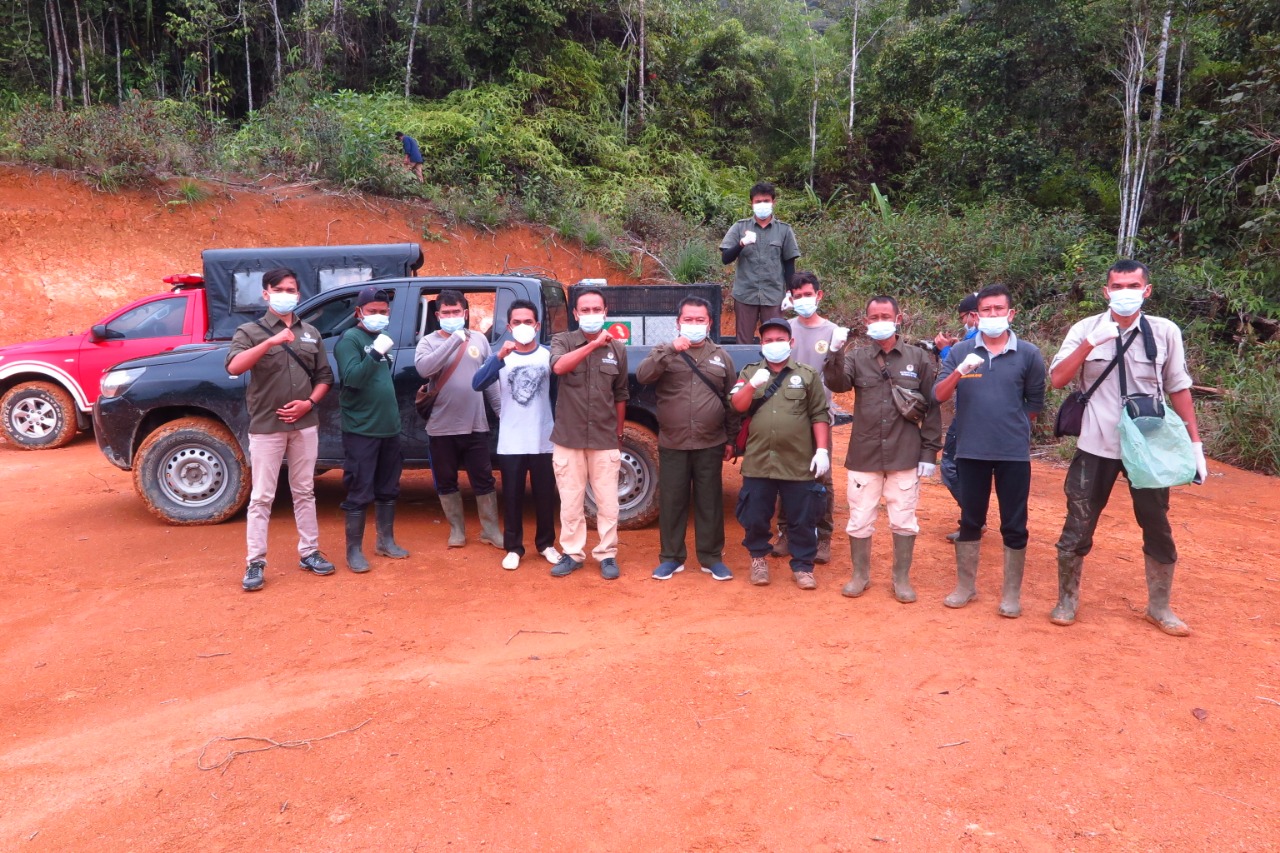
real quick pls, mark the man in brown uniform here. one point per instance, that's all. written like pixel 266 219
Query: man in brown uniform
pixel 289 376
pixel 695 438
pixel 888 454
pixel 587 439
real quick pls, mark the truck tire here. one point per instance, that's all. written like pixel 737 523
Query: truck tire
pixel 192 471
pixel 38 416
pixel 637 479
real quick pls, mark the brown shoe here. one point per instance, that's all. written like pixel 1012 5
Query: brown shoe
pixel 824 552
pixel 805 580
pixel 780 547
pixel 759 571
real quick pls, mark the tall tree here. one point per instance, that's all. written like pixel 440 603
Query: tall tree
pixel 1140 138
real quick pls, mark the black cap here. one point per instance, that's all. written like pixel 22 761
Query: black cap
pixel 968 305
pixel 372 293
pixel 778 322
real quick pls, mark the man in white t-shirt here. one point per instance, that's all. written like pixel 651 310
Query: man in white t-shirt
pixel 813 336
pixel 522 369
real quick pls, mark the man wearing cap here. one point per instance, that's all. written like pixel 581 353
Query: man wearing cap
pixel 371 456
pixel 968 312
pixel 889 451
pixel 765 251
pixel 288 376
pixel 788 452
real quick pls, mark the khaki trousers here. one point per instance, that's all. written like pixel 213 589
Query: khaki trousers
pixel 901 492
pixel 574 470
pixel 266 452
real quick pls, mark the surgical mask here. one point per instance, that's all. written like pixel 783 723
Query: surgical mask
pixel 881 330
pixel 591 324
pixel 993 327
pixel 523 334
pixel 375 322
pixel 695 332
pixel 969 330
pixel 452 324
pixel 776 351
pixel 762 209
pixel 283 303
pixel 1125 302
pixel 806 306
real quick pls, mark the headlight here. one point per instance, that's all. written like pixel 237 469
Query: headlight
pixel 117 381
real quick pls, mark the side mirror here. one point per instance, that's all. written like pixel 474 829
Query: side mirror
pixel 100 333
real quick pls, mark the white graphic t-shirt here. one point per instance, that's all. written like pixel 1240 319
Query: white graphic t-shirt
pixel 525 383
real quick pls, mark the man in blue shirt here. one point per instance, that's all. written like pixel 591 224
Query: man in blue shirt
pixel 998 382
pixel 968 312
pixel 412 154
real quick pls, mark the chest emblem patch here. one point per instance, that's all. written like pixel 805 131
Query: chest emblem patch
pixel 473 351
pixel 822 347
pixel 715 359
pixel 796 381
pixel 306 338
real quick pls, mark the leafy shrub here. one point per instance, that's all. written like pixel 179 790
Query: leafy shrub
pixel 692 261
pixel 1244 427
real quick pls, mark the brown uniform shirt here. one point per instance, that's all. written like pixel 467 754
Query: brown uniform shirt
pixel 690 416
pixel 277 378
pixel 586 411
pixel 780 444
pixel 882 439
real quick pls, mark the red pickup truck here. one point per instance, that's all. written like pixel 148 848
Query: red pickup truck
pixel 48 387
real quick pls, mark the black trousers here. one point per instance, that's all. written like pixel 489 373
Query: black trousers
pixel 682 473
pixel 1088 486
pixel 947 464
pixel 371 469
pixel 1013 488
pixel 514 468
pixel 451 453
pixel 755 513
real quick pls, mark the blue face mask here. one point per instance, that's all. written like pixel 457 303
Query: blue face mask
pixel 776 352
pixel 591 324
pixel 375 322
pixel 452 324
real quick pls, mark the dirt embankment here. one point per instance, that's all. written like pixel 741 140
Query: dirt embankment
pixel 478 709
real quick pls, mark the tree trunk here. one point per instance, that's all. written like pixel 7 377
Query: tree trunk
pixel 1138 151
pixel 643 71
pixel 413 38
pixel 248 65
pixel 115 20
pixel 275 16
pixel 853 68
pixel 57 72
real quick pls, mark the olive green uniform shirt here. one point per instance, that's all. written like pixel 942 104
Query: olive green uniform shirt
pixel 757 274
pixel 690 415
pixel 780 443
pixel 277 379
pixel 881 439
pixel 368 396
pixel 586 404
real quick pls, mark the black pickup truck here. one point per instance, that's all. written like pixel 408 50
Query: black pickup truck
pixel 179 421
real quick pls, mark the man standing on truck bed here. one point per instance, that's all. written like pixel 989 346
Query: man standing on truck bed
pixel 766 251
pixel 371 456
pixel 458 431
pixel 289 375
pixel 586 441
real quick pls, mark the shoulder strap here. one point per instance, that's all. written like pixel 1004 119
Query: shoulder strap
pixel 768 392
pixel 453 365
pixel 1149 345
pixel 1118 360
pixel 310 373
pixel 706 380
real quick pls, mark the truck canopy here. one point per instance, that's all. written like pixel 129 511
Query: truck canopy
pixel 233 277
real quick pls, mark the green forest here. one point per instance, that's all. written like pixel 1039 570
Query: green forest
pixel 921 147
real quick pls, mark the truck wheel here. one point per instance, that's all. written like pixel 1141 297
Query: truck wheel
pixel 38 416
pixel 192 471
pixel 637 479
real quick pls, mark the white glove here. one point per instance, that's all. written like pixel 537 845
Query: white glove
pixel 747 239
pixel 820 464
pixel 786 302
pixel 760 377
pixel 839 337
pixel 1202 469
pixel 1107 330
pixel 462 335
pixel 924 470
pixel 971 362
pixel 383 344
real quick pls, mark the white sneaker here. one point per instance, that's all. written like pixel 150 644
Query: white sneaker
pixel 511 561
pixel 552 555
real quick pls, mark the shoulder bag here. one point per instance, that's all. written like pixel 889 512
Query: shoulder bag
pixel 912 405
pixel 1070 418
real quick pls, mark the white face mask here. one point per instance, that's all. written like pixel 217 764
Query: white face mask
pixel 881 330
pixel 762 209
pixel 1126 302
pixel 452 324
pixel 283 303
pixel 806 306
pixel 375 322
pixel 969 330
pixel 695 332
pixel 776 351
pixel 591 324
pixel 523 334
pixel 993 327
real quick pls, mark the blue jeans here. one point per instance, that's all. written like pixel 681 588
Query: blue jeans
pixel 800 498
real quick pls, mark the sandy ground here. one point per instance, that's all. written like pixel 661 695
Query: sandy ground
pixel 477 709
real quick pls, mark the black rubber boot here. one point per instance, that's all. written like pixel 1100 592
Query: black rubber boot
pixel 355 541
pixel 384 520
pixel 1159 587
pixel 1069 568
